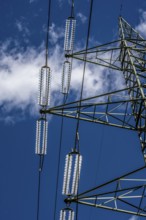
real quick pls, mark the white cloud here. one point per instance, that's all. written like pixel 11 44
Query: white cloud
pixel 19 26
pixel 19 77
pixel 19 71
pixel 22 27
pixel 55 33
pixel 133 218
pixel 141 28
pixel 82 17
pixel 10 120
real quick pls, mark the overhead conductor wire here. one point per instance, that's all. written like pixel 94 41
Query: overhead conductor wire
pixel 81 94
pixel 41 160
pixel 59 159
pixel 84 68
pixel 41 156
pixel 121 9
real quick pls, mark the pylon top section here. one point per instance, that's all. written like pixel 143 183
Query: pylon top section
pixel 126 31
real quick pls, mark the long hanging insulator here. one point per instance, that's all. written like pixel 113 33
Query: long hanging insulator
pixel 69 34
pixel 66 77
pixel 67 214
pixel 76 175
pixel 44 87
pixel 72 173
pixel 67 174
pixel 41 136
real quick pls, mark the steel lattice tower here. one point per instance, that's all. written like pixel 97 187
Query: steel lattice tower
pixel 124 108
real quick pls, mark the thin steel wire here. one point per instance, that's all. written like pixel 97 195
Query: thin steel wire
pixel 47 33
pixel 84 69
pixel 40 168
pixel 59 160
pixel 81 94
pixel 100 144
pixel 72 9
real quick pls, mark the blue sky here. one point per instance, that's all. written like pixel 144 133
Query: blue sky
pixel 107 152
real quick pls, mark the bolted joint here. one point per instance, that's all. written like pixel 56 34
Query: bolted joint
pixel 68 201
pixel 68 55
pixel 42 111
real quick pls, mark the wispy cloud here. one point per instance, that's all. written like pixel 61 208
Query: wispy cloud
pixel 133 218
pixel 55 33
pixel 82 17
pixel 141 28
pixel 19 26
pixel 22 28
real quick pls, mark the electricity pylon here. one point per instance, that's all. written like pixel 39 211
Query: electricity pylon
pixel 124 108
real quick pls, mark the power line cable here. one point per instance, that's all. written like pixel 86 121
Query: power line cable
pixel 41 162
pixel 47 32
pixel 138 7
pixel 81 94
pixel 98 161
pixel 121 9
pixel 59 159
pixel 72 9
pixel 84 68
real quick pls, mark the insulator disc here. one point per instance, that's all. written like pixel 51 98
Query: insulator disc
pixel 44 87
pixel 67 214
pixel 72 172
pixel 69 34
pixel 66 77
pixel 41 136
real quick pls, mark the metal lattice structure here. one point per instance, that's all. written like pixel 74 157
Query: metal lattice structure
pixel 126 55
pixel 124 194
pixel 124 108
